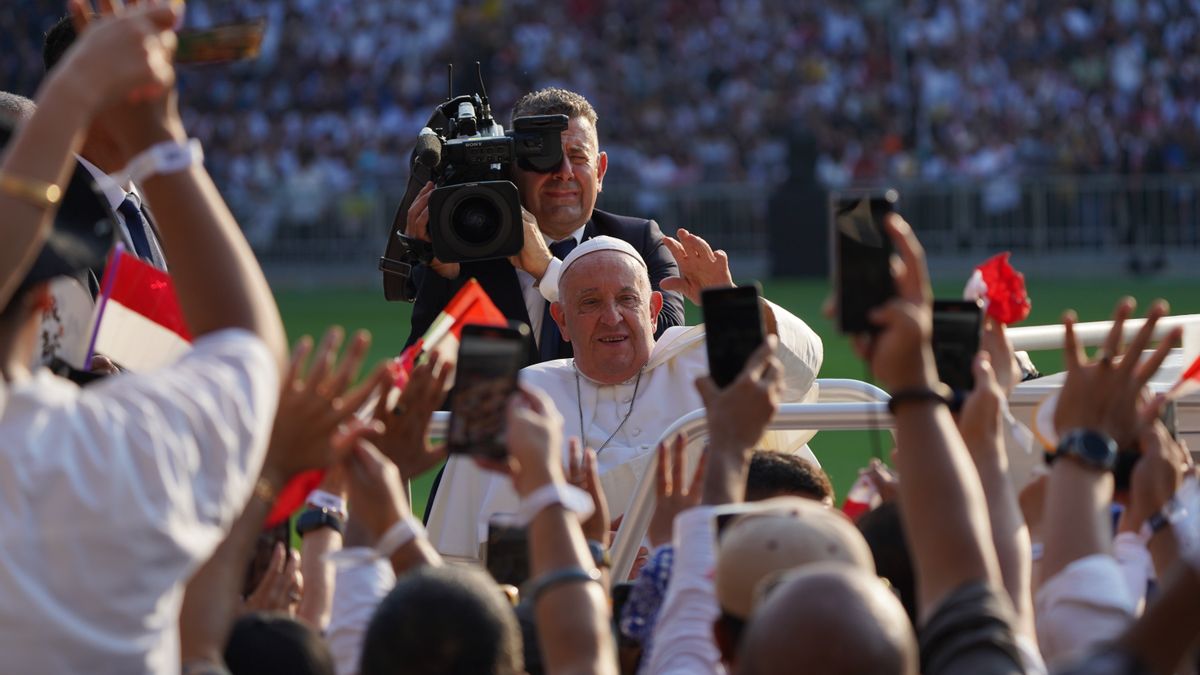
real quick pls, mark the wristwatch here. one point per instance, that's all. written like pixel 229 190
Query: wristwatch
pixel 315 519
pixel 599 554
pixel 1088 447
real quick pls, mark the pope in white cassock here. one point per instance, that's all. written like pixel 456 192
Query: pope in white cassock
pixel 622 389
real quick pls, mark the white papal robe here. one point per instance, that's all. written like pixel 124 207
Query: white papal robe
pixel 469 496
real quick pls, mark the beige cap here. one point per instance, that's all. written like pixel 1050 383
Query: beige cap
pixel 759 546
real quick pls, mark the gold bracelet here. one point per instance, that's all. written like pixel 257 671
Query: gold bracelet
pixel 40 194
pixel 265 490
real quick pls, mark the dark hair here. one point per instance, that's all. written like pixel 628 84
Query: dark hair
pixel 58 40
pixel 266 644
pixel 444 621
pixel 774 474
pixel 884 532
pixel 554 101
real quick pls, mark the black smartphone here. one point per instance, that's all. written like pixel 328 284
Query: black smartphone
pixel 264 548
pixel 957 327
pixel 232 42
pixel 862 254
pixel 485 377
pixel 733 329
pixel 506 554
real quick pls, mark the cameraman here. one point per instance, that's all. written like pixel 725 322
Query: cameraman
pixel 559 213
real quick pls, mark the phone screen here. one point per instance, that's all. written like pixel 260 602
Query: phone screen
pixel 733 329
pixel 862 273
pixel 956 329
pixel 506 554
pixel 232 42
pixel 485 376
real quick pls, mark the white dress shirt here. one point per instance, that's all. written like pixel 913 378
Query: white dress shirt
pixel 683 637
pixel 114 494
pixel 115 195
pixel 468 495
pixel 536 294
pixel 356 594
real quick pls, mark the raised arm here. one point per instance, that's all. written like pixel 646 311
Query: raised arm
pixel 941 499
pixel 115 59
pixel 216 276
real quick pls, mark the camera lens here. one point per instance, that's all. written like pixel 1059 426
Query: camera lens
pixel 476 219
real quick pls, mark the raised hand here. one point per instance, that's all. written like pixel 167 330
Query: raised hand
pixel 1103 393
pixel 700 267
pixel 900 354
pixel 314 423
pixel 583 472
pixel 417 227
pixel 980 419
pixel 674 494
pixel 999 349
pixel 377 498
pixel 534 256
pixel 281 586
pixel 534 440
pixel 405 435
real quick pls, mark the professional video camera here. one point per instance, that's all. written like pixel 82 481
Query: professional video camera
pixel 474 210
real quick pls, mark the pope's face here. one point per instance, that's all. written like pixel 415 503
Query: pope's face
pixel 562 200
pixel 607 312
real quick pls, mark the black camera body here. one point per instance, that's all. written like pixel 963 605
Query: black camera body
pixel 475 209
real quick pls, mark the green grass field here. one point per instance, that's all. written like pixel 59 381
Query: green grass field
pixel 841 453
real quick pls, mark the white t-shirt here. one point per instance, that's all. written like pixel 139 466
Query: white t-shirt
pixel 114 494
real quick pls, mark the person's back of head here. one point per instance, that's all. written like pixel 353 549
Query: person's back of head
pixel 443 620
pixel 794 532
pixel 270 644
pixel 832 619
pixel 57 41
pixel 16 108
pixel 774 474
pixel 884 532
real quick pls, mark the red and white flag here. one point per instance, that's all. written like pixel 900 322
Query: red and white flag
pixel 139 324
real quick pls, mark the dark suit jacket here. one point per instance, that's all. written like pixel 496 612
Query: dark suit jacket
pixel 499 278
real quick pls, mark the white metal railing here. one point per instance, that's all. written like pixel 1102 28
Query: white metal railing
pixel 1092 333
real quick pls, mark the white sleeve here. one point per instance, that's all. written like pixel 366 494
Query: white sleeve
pixel 800 350
pixel 1080 608
pixel 193 435
pixel 356 593
pixel 1137 567
pixel 683 638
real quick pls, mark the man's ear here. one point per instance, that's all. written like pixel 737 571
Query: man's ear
pixel 560 318
pixel 656 305
pixel 601 169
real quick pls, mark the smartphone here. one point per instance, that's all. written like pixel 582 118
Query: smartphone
pixel 862 254
pixel 220 44
pixel 489 358
pixel 957 327
pixel 264 548
pixel 506 554
pixel 733 329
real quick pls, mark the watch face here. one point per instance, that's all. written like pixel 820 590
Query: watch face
pixel 1092 448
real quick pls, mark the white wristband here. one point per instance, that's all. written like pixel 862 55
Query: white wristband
pixel 570 497
pixel 327 500
pixel 402 532
pixel 161 158
pixel 548 284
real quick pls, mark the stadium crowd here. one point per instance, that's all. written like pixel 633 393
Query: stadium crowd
pixel 693 92
pixel 132 539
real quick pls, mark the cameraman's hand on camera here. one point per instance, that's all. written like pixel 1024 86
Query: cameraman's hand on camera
pixel 1105 392
pixel 535 256
pixel 417 227
pixel 700 267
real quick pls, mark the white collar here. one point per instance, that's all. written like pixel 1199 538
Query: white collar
pixel 115 194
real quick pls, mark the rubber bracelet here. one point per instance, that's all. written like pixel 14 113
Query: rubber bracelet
pixel 402 532
pixel 920 395
pixel 571 498
pixel 550 580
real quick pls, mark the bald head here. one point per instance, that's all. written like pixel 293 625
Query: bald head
pixel 833 619
pixel 16 107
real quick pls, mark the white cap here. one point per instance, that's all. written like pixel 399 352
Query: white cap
pixel 554 273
